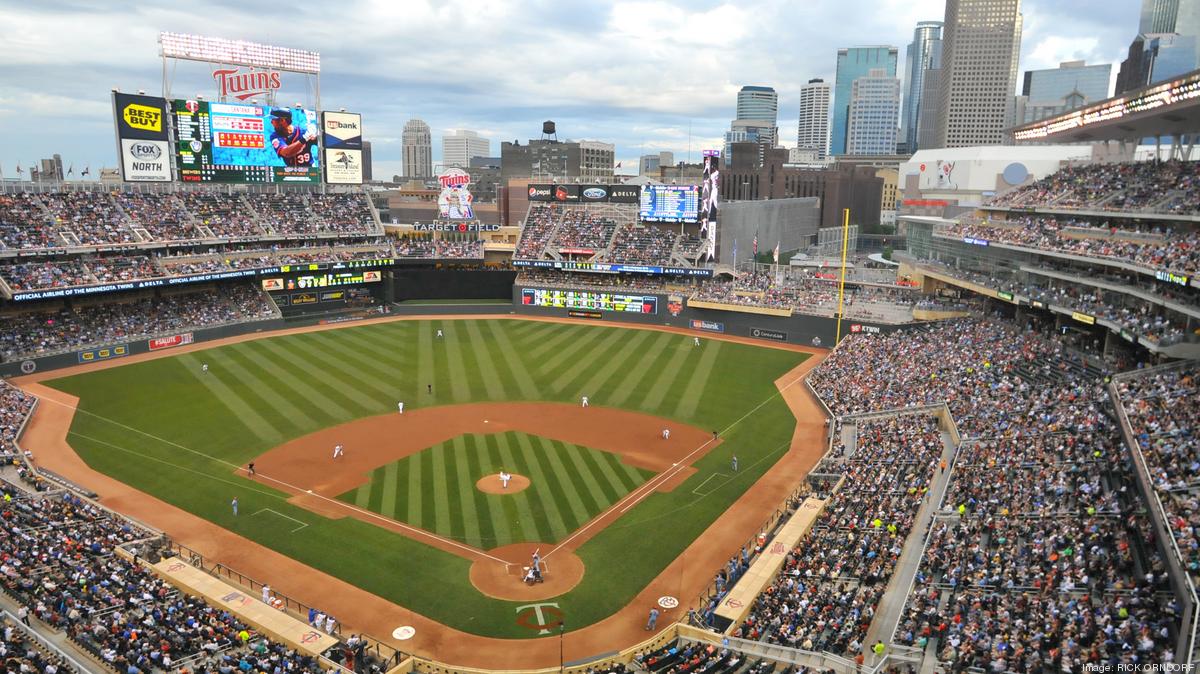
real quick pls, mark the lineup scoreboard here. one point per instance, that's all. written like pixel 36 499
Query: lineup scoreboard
pixel 237 143
pixel 670 203
pixel 577 299
pixel 322 280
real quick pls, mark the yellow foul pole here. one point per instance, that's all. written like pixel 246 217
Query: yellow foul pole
pixel 842 283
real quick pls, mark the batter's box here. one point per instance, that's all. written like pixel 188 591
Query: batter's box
pixel 701 490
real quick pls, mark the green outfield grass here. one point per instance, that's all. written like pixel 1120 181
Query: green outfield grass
pixel 435 489
pixel 171 430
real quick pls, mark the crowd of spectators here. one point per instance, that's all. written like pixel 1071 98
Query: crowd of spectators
pixel 613 282
pixel 225 215
pixel 829 588
pixel 541 223
pixel 25 224
pixel 15 406
pixel 59 563
pixel 123 268
pixel 1176 249
pixel 284 214
pixel 1145 186
pixel 345 213
pixel 162 215
pixel 642 244
pixel 47 274
pixel 1162 407
pixel 1056 569
pixel 93 217
pixel 584 229
pixel 811 295
pixel 34 333
pixel 22 654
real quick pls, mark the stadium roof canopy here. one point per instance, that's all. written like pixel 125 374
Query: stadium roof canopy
pixel 1169 108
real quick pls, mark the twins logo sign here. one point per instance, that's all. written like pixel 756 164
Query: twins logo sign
pixel 540 617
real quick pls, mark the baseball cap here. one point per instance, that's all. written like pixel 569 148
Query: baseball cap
pixel 282 112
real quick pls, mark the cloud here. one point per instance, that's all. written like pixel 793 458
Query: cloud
pixel 643 74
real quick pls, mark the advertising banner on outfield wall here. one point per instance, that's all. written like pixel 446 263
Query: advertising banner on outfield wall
pixel 624 194
pixel 342 136
pixel 541 192
pixel 711 326
pixel 142 141
pixel 106 353
pixel 764 333
pixel 567 193
pixel 167 342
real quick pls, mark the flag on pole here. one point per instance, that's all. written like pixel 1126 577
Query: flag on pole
pixel 735 252
pixel 775 255
pixel 71 170
pixel 756 243
pixel 87 170
pixel 19 169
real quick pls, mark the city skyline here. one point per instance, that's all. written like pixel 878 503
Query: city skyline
pixel 54 96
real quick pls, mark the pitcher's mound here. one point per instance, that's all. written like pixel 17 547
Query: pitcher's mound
pixel 561 571
pixel 490 484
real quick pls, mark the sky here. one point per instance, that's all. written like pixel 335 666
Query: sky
pixel 647 75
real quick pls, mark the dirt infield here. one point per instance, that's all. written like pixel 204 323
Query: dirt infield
pixel 490 484
pixel 362 611
pixel 504 580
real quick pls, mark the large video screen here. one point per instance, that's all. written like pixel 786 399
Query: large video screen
pixel 244 143
pixel 670 203
pixel 576 299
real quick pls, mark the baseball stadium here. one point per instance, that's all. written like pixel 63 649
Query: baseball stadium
pixel 262 414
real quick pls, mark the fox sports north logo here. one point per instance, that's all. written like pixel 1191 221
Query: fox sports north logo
pixel 145 151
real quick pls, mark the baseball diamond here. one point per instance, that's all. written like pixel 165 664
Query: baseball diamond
pixel 406 528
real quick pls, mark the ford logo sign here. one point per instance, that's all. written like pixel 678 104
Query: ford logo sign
pixel 595 193
pixel 145 151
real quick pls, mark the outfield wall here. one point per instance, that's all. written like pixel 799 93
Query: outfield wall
pixel 802 329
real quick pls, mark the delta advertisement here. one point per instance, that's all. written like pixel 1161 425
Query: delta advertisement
pixel 342 135
pixel 142 140
pixel 613 194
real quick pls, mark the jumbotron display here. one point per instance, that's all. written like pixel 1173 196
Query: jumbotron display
pixel 575 299
pixel 670 203
pixel 244 143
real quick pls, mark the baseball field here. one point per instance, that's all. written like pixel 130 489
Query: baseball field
pixel 402 514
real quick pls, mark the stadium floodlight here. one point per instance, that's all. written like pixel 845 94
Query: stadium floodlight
pixel 238 52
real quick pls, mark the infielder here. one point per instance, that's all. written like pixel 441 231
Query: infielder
pixel 666 434
pixel 504 478
pixel 338 451
pixel 234 504
pixel 583 401
pixel 400 407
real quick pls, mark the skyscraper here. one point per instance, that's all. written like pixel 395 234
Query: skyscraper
pixel 758 103
pixel 982 41
pixel 853 63
pixel 417 150
pixel 1053 91
pixel 874 112
pixel 923 53
pixel 813 130
pixel 1167 44
pixel 461 146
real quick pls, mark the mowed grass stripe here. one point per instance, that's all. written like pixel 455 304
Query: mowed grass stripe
pixel 541 498
pixel 321 362
pixel 615 364
pixel 482 351
pixel 512 358
pixel 269 352
pixel 667 376
pixel 695 386
pixel 362 498
pixel 415 500
pixel 364 375
pixel 550 338
pixel 530 529
pixel 388 505
pixel 473 463
pixel 590 466
pixel 592 494
pixel 403 467
pixel 239 406
pixel 625 475
pixel 629 384
pixel 426 488
pixel 458 517
pixel 466 493
pixel 425 369
pixel 460 384
pixel 585 343
pixel 502 510
pixel 567 492
pixel 441 500
pixel 599 354
pixel 238 363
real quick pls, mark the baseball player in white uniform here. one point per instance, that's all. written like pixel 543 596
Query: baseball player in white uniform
pixel 204 367
pixel 583 401
pixel 504 478
pixel 400 407
pixel 696 340
pixel 338 451
pixel 666 434
pixel 439 333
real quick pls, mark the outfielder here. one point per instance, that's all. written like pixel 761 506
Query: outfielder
pixel 400 407
pixel 583 401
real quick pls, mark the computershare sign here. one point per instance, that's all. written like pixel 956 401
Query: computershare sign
pixel 142 141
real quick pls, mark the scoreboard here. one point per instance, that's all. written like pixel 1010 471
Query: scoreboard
pixel 231 143
pixel 577 299
pixel 670 203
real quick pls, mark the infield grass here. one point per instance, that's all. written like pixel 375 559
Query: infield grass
pixel 173 431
